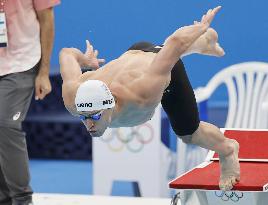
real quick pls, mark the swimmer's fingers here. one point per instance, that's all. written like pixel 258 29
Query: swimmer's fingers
pixel 91 57
pixel 96 53
pixel 209 16
pixel 89 50
pixel 100 60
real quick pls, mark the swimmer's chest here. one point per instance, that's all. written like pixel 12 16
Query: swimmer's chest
pixel 133 116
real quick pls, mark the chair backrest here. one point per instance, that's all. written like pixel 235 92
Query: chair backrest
pixel 247 85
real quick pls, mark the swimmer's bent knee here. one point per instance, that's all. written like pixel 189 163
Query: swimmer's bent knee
pixel 183 129
pixel 185 134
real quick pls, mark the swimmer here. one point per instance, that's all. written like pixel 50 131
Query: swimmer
pixel 126 91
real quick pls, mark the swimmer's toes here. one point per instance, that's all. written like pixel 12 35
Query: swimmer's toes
pixel 226 185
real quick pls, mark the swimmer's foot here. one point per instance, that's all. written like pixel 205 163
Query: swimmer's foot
pixel 207 44
pixel 212 46
pixel 230 169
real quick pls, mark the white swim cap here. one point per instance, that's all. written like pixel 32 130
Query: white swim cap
pixel 93 95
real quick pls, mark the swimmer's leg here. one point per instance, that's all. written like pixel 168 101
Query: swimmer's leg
pixel 210 137
pixel 179 103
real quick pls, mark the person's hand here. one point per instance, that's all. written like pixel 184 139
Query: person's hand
pixel 208 17
pixel 42 85
pixel 91 57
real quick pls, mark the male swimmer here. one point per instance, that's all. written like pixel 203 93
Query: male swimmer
pixel 126 91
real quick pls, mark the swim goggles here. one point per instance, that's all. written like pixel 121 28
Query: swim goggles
pixel 95 116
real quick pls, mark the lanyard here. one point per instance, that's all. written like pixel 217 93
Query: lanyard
pixel 2 5
pixel 3 25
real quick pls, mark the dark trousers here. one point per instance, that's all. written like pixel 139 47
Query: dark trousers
pixel 16 92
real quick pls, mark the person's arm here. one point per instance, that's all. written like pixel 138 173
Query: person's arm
pixel 177 44
pixel 42 82
pixel 70 64
pixel 159 71
pixel 72 61
pixel 70 69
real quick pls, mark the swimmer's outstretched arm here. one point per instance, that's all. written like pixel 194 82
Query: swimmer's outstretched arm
pixel 178 43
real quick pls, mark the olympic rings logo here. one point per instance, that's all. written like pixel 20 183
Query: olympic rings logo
pixel 134 138
pixel 234 196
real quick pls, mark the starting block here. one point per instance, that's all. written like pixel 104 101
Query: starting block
pixel 253 157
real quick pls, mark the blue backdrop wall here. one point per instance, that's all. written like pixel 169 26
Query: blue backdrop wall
pixel 113 25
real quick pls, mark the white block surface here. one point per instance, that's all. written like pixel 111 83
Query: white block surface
pixel 67 199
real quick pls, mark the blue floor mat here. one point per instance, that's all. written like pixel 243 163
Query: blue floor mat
pixel 69 177
pixel 61 176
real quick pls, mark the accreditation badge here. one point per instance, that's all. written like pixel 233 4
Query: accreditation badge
pixel 3 30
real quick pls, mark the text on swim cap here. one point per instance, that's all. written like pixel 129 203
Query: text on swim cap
pixel 84 105
pixel 107 102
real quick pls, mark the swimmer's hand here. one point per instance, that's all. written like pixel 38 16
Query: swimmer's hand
pixel 188 34
pixel 91 58
pixel 208 17
pixel 205 21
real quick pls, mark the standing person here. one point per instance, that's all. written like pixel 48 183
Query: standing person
pixel 26 41
pixel 126 91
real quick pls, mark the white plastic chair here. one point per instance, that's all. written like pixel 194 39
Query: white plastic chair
pixel 247 86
